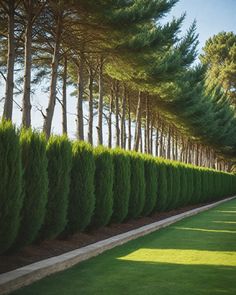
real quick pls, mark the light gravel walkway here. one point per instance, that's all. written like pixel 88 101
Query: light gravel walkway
pixel 28 274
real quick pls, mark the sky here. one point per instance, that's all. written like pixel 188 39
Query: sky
pixel 212 16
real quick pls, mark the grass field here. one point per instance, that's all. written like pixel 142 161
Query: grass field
pixel 194 256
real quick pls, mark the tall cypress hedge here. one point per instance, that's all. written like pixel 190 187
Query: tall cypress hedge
pixel 35 179
pixel 137 185
pixel 150 171
pixel 175 187
pixel 59 166
pixel 11 196
pixel 170 185
pixel 121 185
pixel 104 175
pixel 81 196
pixel 183 185
pixel 161 186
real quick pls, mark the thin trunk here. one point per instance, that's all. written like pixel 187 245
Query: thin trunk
pixel 168 143
pixel 161 140
pixel 54 74
pixel 176 147
pixel 129 124
pixel 117 113
pixel 90 122
pixel 138 123
pixel 110 119
pixel 157 142
pixel 8 104
pixel 173 144
pixel 151 139
pixel 26 115
pixel 80 116
pixel 147 131
pixel 123 135
pixel 100 103
pixel 64 98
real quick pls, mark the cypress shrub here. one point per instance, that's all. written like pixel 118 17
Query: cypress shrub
pixel 196 186
pixel 59 166
pixel 169 174
pixel 103 186
pixel 183 186
pixel 121 185
pixel 11 196
pixel 190 183
pixel 175 187
pixel 161 186
pixel 35 179
pixel 150 171
pixel 137 185
pixel 81 196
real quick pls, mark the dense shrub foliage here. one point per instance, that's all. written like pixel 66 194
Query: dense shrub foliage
pixel 35 188
pixel 59 165
pixel 81 197
pixel 137 185
pixel 89 187
pixel 121 185
pixel 150 172
pixel 103 186
pixel 10 185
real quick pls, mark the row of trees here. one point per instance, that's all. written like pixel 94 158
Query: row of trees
pixel 133 70
pixel 76 187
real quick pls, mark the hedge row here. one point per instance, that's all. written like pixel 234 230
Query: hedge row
pixel 62 187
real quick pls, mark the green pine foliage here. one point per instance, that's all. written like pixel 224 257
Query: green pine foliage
pixel 121 185
pixel 161 186
pixel 34 161
pixel 81 197
pixel 11 196
pixel 150 171
pixel 104 175
pixel 137 185
pixel 59 166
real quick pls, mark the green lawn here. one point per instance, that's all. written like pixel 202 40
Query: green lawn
pixel 194 256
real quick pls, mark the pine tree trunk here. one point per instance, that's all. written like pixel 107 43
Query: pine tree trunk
pixel 110 118
pixel 138 124
pixel 26 112
pixel 8 104
pixel 129 125
pixel 54 75
pixel 161 140
pixel 147 131
pixel 80 119
pixel 123 133
pixel 151 139
pixel 168 143
pixel 90 122
pixel 64 98
pixel 157 143
pixel 117 113
pixel 100 104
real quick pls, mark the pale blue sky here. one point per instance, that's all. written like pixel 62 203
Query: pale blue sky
pixel 212 16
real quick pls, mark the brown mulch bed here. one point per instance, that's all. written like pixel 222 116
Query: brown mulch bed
pixel 56 247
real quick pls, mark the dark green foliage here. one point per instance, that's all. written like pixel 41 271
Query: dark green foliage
pixel 190 183
pixel 175 187
pixel 161 186
pixel 121 185
pixel 137 184
pixel 81 196
pixel 196 186
pixel 169 175
pixel 183 185
pixel 11 196
pixel 150 170
pixel 103 186
pixel 34 161
pixel 59 166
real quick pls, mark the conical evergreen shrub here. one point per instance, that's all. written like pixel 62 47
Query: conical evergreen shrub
pixel 137 185
pixel 121 185
pixel 104 175
pixel 34 161
pixel 81 196
pixel 59 166
pixel 161 186
pixel 150 171
pixel 11 197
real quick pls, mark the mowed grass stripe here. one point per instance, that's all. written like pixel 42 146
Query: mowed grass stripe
pixel 194 256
